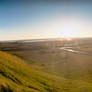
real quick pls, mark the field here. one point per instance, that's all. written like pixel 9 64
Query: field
pixel 47 66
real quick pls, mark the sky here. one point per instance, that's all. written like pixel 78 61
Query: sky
pixel 27 19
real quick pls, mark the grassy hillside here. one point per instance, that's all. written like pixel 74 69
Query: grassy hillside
pixel 17 76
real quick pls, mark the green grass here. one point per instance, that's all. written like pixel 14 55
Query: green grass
pixel 17 76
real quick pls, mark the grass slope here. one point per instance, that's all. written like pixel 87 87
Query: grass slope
pixel 17 76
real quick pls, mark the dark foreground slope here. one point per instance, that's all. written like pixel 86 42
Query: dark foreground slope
pixel 17 76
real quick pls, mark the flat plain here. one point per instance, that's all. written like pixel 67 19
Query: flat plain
pixel 67 62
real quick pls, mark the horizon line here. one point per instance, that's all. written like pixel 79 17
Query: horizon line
pixel 43 38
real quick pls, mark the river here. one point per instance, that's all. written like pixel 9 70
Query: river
pixel 71 49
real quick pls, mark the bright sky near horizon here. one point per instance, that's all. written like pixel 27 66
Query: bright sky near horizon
pixel 45 19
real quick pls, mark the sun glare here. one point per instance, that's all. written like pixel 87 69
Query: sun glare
pixel 68 39
pixel 70 30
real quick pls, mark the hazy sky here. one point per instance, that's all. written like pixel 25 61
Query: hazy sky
pixel 45 19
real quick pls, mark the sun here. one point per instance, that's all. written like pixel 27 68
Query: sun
pixel 70 30
pixel 68 39
pixel 69 33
